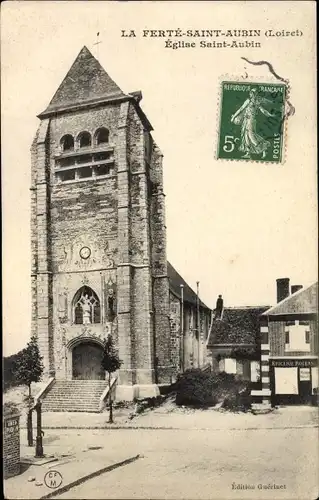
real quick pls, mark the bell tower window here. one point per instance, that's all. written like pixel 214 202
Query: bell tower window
pixel 86 161
pixel 67 143
pixel 84 140
pixel 101 136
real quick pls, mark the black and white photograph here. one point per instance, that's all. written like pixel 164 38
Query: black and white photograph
pixel 159 250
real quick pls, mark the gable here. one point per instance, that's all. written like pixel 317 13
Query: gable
pixel 305 301
pixel 85 82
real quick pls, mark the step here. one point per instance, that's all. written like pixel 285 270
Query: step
pixel 74 396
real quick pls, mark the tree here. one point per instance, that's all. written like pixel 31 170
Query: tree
pixel 110 363
pixel 28 368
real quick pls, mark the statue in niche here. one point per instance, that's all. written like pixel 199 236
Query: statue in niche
pixel 86 308
pixel 67 254
pixel 111 301
pixel 62 307
pixel 110 304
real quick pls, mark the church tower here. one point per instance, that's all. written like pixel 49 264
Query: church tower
pixel 99 262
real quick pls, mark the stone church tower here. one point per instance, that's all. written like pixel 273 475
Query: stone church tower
pixel 98 234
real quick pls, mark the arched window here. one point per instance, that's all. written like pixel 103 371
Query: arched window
pixel 101 136
pixel 86 307
pixel 84 140
pixel 67 142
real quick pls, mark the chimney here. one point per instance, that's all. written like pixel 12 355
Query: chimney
pixel 282 289
pixel 295 288
pixel 219 307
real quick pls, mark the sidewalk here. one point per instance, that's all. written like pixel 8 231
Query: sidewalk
pixel 160 418
pixel 74 467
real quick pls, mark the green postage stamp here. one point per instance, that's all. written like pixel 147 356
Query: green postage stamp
pixel 251 123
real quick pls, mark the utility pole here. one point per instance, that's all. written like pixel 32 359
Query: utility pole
pixel 182 330
pixel 198 324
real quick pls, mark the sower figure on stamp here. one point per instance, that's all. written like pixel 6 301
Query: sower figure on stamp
pixel 251 142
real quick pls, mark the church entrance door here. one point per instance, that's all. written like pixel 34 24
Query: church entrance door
pixel 86 362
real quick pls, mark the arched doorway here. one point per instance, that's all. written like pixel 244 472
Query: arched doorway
pixel 86 362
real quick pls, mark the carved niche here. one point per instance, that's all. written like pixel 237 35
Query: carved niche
pixel 85 253
pixel 110 300
pixel 63 306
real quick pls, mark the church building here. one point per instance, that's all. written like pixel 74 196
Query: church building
pixel 99 263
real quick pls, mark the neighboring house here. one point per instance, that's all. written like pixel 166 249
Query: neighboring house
pixel 289 350
pixel 233 345
pixel 190 320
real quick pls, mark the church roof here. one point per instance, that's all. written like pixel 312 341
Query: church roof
pixel 85 83
pixel 305 301
pixel 175 282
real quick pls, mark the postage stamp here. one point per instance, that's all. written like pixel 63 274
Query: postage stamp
pixel 251 125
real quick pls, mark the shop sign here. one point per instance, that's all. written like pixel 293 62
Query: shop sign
pixel 11 425
pixel 293 363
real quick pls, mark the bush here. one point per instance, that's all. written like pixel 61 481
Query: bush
pixel 201 389
pixel 239 400
pixel 9 371
pixel 194 388
pixel 9 408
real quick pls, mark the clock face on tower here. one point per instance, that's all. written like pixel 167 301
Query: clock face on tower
pixel 85 252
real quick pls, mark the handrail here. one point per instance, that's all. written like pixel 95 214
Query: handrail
pixel 40 394
pixel 106 392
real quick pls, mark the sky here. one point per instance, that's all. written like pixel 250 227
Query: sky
pixel 234 226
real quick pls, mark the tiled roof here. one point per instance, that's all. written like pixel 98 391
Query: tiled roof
pixel 305 301
pixel 175 280
pixel 86 82
pixel 239 325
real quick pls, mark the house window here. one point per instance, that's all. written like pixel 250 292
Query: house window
pixel 86 307
pixel 287 337
pixel 307 337
pixel 101 136
pixel 84 140
pixel 286 380
pixel 297 338
pixel 230 365
pixel 67 142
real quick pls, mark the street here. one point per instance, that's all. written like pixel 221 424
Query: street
pixel 204 464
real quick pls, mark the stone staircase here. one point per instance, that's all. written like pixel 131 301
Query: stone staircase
pixel 74 395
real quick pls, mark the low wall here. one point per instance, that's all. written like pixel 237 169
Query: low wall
pixel 11 444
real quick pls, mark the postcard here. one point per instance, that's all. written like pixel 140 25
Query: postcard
pixel 160 290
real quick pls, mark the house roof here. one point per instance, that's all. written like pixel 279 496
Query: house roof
pixel 175 282
pixel 305 301
pixel 86 82
pixel 239 325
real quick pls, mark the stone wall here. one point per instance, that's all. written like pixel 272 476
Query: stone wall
pixel 161 318
pixel 188 350
pixel 11 444
pixel 121 219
